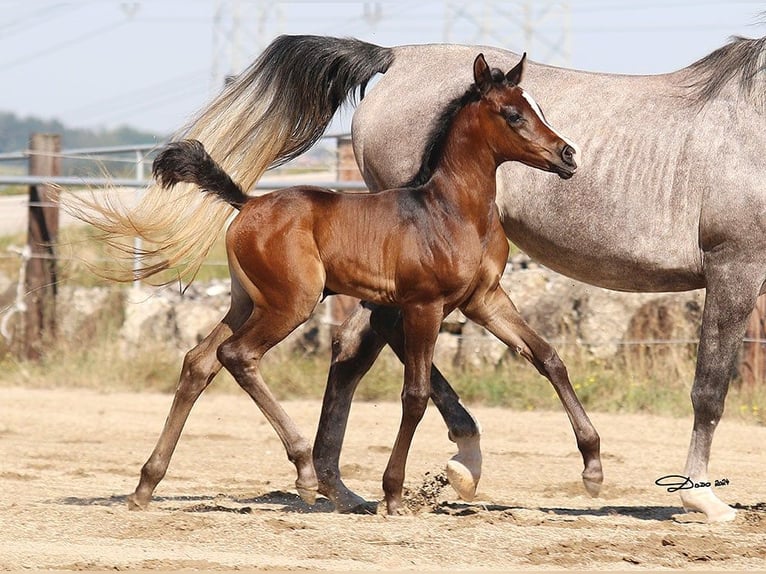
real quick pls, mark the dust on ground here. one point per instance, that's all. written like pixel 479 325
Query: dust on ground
pixel 68 458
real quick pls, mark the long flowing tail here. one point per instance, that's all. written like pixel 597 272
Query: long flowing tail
pixel 273 112
pixel 186 161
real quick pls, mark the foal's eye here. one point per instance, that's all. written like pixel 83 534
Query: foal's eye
pixel 512 116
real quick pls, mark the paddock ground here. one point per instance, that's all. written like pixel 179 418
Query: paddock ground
pixel 69 457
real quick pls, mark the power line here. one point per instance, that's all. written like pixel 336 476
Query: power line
pixel 66 43
pixel 31 20
pixel 137 100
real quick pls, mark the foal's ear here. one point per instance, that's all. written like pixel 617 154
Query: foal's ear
pixel 482 75
pixel 514 76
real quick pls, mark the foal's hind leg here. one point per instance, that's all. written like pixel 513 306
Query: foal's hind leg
pixel 199 368
pixel 496 312
pixel 241 355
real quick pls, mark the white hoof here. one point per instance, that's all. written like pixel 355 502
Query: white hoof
pixel 703 500
pixel 464 469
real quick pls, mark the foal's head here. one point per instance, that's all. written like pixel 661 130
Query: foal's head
pixel 514 125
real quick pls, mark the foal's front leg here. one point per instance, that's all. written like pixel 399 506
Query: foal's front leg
pixel 421 328
pixel 495 311
pixel 463 469
pixel 355 347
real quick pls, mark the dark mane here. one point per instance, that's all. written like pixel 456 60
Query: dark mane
pixel 438 135
pixel 742 60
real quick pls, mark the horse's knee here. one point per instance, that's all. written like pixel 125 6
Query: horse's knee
pixel 346 341
pixel 415 401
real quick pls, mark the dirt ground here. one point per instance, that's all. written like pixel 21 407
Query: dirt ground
pixel 68 458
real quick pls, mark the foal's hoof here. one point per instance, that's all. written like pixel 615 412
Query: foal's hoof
pixel 593 484
pixel 592 487
pixel 464 469
pixel 308 495
pixel 135 504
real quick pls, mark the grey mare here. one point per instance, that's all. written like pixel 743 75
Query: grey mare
pixel 671 196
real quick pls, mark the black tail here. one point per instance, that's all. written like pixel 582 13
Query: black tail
pixel 186 161
pixel 313 76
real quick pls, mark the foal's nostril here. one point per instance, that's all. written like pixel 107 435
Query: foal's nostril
pixel 567 154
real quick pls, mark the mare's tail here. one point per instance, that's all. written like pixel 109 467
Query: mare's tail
pixel 273 112
pixel 186 161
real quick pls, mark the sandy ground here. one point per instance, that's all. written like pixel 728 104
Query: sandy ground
pixel 68 458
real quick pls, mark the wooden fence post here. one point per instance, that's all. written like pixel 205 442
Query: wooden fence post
pixel 39 322
pixel 753 367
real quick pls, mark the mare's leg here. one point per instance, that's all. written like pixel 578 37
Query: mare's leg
pixel 463 469
pixel 241 355
pixel 732 289
pixel 355 347
pixel 496 312
pixel 199 368
pixel 421 328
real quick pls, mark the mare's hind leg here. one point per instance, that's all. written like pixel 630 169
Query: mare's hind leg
pixel 199 368
pixel 241 355
pixel 731 294
pixel 496 312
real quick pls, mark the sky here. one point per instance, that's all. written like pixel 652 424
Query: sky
pixel 152 64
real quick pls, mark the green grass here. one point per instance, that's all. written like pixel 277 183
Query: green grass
pixel 102 364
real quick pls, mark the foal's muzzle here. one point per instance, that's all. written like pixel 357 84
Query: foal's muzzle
pixel 568 154
pixel 568 159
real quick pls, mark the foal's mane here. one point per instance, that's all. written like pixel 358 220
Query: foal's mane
pixel 437 136
pixel 742 60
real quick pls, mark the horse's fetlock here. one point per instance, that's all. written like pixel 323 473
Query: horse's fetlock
pixel 300 452
pixel 153 471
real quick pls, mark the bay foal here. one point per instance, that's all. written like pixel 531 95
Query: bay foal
pixel 427 248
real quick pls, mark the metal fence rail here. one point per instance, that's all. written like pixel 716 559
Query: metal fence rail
pixel 141 153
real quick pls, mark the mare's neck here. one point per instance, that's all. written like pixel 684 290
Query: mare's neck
pixel 465 174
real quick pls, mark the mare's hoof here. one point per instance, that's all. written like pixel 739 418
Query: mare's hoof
pixel 365 507
pixel 464 469
pixel 461 479
pixel 703 500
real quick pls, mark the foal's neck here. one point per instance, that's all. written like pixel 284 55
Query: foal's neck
pixel 465 173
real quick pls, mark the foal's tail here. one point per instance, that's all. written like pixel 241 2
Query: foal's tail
pixel 186 161
pixel 273 112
